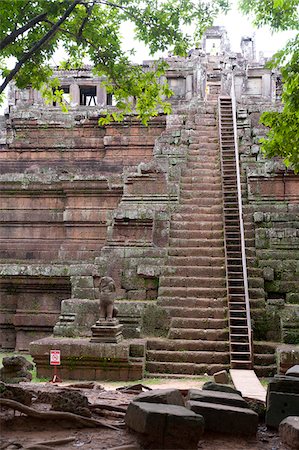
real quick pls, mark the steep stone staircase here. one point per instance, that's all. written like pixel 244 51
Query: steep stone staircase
pixel 193 287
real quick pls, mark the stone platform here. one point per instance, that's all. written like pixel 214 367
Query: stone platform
pixel 107 332
pixel 84 360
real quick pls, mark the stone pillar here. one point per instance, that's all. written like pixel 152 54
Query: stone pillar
pixel 189 87
pixel 101 95
pixel 75 94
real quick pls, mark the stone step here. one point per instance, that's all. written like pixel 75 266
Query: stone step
pixel 197 234
pixel 189 282
pixel 201 200
pixel 197 251
pixel 206 334
pixel 184 368
pixel 204 292
pixel 195 243
pixel 184 225
pixel 201 172
pixel 187 345
pixel 198 161
pixel 191 261
pixel 199 210
pixel 191 194
pixel 197 218
pixel 192 184
pixel 192 302
pixel 197 313
pixel 195 271
pixel 196 357
pixel 201 323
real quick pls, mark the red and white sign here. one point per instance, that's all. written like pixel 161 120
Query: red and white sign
pixel 55 357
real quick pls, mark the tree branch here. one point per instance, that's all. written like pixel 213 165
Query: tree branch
pixel 12 37
pixel 38 45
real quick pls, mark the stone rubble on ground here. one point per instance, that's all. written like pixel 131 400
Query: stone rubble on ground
pixel 15 369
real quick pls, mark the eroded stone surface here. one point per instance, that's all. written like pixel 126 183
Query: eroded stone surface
pixel 226 419
pixel 289 431
pixel 223 398
pixel 165 426
pixel 163 396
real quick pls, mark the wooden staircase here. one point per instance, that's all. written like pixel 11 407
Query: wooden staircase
pixel 236 271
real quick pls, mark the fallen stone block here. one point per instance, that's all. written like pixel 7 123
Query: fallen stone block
pixel 164 396
pixel 283 384
pixel 165 426
pixel 223 398
pixel 221 377
pixel 226 419
pixel 279 406
pixel 293 371
pixel 211 386
pixel 289 431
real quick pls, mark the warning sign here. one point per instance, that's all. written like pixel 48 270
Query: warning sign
pixel 55 357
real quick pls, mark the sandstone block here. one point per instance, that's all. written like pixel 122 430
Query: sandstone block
pixel 226 419
pixel 165 426
pixel 279 406
pixel 222 398
pixel 289 431
pixel 283 384
pixel 164 396
pixel 211 386
pixel 293 371
pixel 221 377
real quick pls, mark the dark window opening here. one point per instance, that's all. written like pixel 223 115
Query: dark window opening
pixel 88 95
pixel 110 100
pixel 65 96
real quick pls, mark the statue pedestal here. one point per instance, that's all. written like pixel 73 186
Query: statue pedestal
pixel 107 331
pixel 83 360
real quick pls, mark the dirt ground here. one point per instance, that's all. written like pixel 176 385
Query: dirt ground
pixel 20 431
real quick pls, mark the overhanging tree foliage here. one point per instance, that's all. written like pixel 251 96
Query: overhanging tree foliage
pixel 31 31
pixel 283 137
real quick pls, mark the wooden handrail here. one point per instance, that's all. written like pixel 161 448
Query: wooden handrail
pixel 243 251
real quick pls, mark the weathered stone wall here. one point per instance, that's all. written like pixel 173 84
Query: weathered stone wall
pixel 271 194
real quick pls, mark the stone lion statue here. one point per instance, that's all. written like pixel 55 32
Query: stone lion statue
pixel 106 294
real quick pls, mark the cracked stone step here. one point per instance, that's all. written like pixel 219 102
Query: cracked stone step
pixel 196 313
pixel 196 251
pixel 196 243
pixel 201 201
pixel 189 333
pixel 184 368
pixel 185 292
pixel 195 216
pixel 191 261
pixel 190 282
pixel 195 271
pixel 213 209
pixel 197 234
pixel 187 345
pixel 185 225
pixel 201 323
pixel 196 357
pixel 192 302
pixel 193 194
